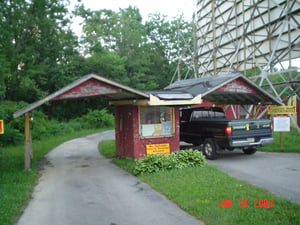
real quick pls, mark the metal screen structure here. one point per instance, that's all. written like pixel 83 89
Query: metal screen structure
pixel 254 37
pixel 245 34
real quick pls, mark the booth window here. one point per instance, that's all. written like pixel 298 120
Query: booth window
pixel 156 121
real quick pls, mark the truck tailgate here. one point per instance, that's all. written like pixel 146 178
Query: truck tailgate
pixel 250 132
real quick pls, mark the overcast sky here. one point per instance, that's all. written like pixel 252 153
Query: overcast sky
pixel 170 8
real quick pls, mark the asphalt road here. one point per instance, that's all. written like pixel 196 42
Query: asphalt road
pixel 278 173
pixel 80 187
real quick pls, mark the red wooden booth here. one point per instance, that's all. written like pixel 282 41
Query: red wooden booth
pixel 144 130
pixel 150 126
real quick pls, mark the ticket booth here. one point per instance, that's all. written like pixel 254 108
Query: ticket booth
pixel 150 126
pixel 144 130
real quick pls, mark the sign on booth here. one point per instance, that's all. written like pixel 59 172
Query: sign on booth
pixel 158 149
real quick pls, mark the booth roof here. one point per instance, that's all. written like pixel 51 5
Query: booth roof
pixel 88 86
pixel 183 92
pixel 209 88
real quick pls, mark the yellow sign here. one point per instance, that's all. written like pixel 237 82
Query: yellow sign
pixel 158 149
pixel 1 127
pixel 281 110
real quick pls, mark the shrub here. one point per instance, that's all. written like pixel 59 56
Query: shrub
pixel 176 160
pixel 42 127
pixel 13 128
pixel 11 136
pixel 98 119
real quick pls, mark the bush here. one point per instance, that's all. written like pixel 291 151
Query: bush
pixel 176 160
pixel 11 136
pixel 43 127
pixel 13 128
pixel 98 119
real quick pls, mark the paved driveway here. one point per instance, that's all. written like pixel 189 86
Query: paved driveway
pixel 79 186
pixel 277 172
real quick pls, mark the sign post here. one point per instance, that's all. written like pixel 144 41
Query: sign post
pixel 281 121
pixel 281 124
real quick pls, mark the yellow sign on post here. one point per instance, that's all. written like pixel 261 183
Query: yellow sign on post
pixel 281 110
pixel 1 127
pixel 158 149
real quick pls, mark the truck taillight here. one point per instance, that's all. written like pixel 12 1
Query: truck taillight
pixel 228 131
pixel 271 127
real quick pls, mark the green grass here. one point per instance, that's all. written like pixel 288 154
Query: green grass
pixel 108 149
pixel 200 190
pixel 16 184
pixel 291 142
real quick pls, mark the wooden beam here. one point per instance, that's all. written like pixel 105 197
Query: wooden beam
pixel 28 142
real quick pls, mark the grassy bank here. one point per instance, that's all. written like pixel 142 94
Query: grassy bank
pixel 200 190
pixel 16 184
pixel 291 142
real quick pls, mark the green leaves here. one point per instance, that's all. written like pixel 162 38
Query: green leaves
pixel 98 119
pixel 176 160
pixel 36 44
pixel 39 54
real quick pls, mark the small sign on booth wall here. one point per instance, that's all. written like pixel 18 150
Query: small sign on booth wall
pixel 1 127
pixel 158 149
pixel 281 123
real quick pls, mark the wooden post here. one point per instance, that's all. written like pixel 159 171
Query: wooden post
pixel 281 139
pixel 28 142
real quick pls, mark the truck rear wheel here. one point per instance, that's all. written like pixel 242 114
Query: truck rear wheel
pixel 210 148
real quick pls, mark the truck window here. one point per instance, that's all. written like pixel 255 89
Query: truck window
pixel 198 115
pixel 205 114
pixel 211 114
pixel 219 115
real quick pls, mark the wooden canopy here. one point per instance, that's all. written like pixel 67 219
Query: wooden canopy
pixel 228 89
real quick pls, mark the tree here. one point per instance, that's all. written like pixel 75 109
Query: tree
pixel 174 39
pixel 38 44
pixel 108 64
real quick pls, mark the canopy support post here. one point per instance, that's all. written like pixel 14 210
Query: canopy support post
pixel 28 154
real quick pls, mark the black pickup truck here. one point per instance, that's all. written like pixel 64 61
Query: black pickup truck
pixel 210 127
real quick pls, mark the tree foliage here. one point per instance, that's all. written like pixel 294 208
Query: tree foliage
pixel 150 49
pixel 36 47
pixel 39 53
